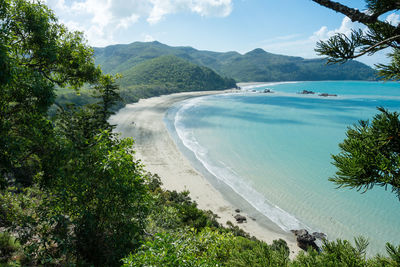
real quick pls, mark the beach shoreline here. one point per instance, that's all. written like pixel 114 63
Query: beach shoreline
pixel 155 147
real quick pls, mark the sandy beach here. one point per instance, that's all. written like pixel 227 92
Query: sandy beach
pixel 156 148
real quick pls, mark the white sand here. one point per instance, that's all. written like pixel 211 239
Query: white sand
pixel 154 146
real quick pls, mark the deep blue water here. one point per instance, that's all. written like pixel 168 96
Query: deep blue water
pixel 275 151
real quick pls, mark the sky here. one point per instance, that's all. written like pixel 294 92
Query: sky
pixel 287 27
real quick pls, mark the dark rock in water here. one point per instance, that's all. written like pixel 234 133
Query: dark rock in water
pixel 321 236
pixel 237 210
pixel 305 239
pixel 325 94
pixel 240 218
pixel 299 232
pixel 306 92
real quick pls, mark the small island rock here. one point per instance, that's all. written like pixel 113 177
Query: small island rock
pixel 240 218
pixel 306 92
pixel 325 94
pixel 317 235
pixel 305 239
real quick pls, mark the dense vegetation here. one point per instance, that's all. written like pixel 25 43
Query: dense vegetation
pixel 256 65
pixel 158 76
pixel 169 74
pixel 72 192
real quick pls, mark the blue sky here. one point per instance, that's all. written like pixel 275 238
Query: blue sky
pixel 289 27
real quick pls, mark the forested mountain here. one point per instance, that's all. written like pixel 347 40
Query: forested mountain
pixel 153 77
pixel 176 73
pixel 256 65
pixel 168 74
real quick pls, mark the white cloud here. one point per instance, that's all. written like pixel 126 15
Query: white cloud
pixel 160 8
pixel 304 47
pixel 98 36
pixel 218 8
pixel 148 38
pixel 324 33
pixel 99 19
pixel 214 8
pixel 128 21
pixel 60 4
pixel 98 9
pixel 73 25
pixel 125 8
pixel 393 19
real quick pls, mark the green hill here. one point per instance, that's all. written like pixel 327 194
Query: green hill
pixel 153 77
pixel 169 74
pixel 175 73
pixel 256 65
pixel 259 65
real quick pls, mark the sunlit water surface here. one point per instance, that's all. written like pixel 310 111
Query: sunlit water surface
pixel 275 151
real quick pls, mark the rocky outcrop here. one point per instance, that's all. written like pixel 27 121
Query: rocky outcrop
pixel 240 218
pixel 306 92
pixel 306 240
pixel 325 94
pixel 317 235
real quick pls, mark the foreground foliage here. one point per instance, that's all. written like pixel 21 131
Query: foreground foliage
pixel 206 248
pixel 36 54
pixel 370 154
pixel 216 248
pixel 72 192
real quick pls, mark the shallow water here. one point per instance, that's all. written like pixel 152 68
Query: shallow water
pixel 275 151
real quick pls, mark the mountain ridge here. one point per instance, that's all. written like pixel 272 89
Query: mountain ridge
pixel 256 65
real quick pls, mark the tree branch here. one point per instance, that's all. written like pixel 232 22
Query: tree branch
pixel 358 16
pixel 353 14
pixel 381 7
pixel 51 79
pixel 384 42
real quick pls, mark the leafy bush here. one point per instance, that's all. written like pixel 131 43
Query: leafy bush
pixel 173 210
pixel 184 248
pixel 340 253
pixel 104 193
pixel 205 248
pixel 9 247
pixel 25 214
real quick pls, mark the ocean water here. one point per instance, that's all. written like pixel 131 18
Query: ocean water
pixel 274 150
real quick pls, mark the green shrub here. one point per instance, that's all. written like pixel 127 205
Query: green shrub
pixel 335 253
pixel 184 248
pixel 205 248
pixel 9 247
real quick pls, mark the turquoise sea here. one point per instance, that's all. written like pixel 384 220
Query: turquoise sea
pixel 274 150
